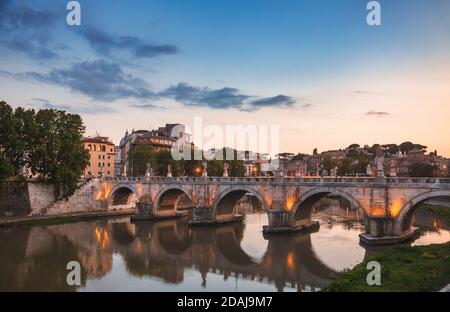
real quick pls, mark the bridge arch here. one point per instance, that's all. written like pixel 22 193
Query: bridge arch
pixel 226 201
pixel 170 197
pixel 408 209
pixel 123 194
pixel 309 197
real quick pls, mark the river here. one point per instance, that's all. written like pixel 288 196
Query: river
pixel 117 255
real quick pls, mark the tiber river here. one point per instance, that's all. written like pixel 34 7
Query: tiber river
pixel 116 255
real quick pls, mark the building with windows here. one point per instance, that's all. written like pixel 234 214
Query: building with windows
pixel 101 161
pixel 161 139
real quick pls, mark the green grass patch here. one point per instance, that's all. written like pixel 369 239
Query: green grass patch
pixel 439 210
pixel 405 268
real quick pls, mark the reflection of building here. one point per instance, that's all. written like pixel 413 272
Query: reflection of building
pixel 161 139
pixel 101 161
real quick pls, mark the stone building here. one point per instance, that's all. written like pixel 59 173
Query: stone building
pixel 297 168
pixel 161 139
pixel 101 161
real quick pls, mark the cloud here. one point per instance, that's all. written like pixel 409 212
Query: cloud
pixel 275 101
pixel 104 43
pixel 99 80
pixel 203 96
pixel 377 114
pixel 25 30
pixel 43 103
pixel 147 106
pixel 223 98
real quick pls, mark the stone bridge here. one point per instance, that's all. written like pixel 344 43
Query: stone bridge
pixel 386 205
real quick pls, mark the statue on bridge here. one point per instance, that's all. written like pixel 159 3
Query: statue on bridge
pixel 205 169
pixel 226 167
pixel 149 171
pixel 169 170
pixel 379 160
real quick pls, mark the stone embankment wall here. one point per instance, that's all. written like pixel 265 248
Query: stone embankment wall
pixel 34 198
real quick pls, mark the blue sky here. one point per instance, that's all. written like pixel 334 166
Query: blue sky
pixel 313 67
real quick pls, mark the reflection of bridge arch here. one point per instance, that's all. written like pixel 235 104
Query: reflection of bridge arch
pixel 174 237
pixel 226 201
pixel 228 244
pixel 169 198
pixel 407 211
pixel 302 208
pixel 123 194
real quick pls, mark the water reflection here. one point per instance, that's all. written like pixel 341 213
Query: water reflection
pixel 171 256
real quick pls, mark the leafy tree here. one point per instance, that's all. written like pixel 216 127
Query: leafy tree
pixel 345 167
pixel 58 154
pixel 328 163
pixel 285 156
pixel 353 146
pixel 420 169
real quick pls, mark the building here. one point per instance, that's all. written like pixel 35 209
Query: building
pixel 101 161
pixel 313 164
pixel 296 168
pixel 161 139
pixel 117 161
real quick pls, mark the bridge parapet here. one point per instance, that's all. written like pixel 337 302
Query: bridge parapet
pixel 388 181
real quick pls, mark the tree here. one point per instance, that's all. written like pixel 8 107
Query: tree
pixel 328 163
pixel 6 170
pixel 345 167
pixel 420 169
pixel 57 153
pixel 285 156
pixel 353 146
pixel 138 158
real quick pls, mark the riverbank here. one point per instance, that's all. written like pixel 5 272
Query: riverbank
pixel 439 210
pixel 405 268
pixel 63 218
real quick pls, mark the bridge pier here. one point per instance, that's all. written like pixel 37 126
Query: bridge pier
pixel 204 215
pixel 281 221
pixel 147 212
pixel 381 231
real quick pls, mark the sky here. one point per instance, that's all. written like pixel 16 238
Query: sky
pixel 315 68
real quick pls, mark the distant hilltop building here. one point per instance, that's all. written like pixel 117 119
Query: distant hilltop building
pixel 101 161
pixel 160 139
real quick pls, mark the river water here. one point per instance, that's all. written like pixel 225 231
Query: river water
pixel 116 255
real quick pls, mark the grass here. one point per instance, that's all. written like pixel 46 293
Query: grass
pixel 439 210
pixel 412 269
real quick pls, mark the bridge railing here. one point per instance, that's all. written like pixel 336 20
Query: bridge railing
pixel 288 180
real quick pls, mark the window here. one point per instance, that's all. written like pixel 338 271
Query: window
pixel 99 156
pixel 109 165
pixel 99 164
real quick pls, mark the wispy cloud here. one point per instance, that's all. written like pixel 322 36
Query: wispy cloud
pixel 99 80
pixel 148 106
pixel 377 114
pixel 104 43
pixel 203 96
pixel 92 110
pixel 275 101
pixel 223 98
pixel 25 30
